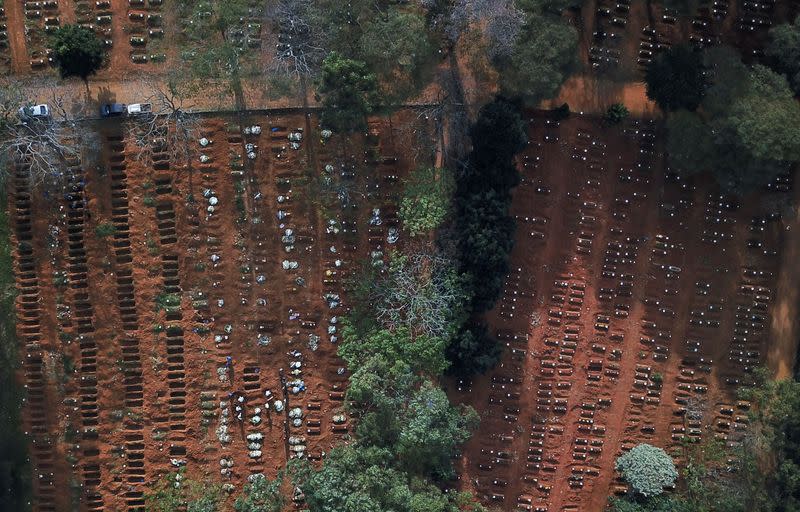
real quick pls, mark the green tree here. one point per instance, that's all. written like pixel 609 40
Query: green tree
pixel 174 491
pixel 432 431
pixel 772 464
pixel 473 351
pixel 376 394
pixel 767 119
pixel 424 353
pixel 616 113
pixel 485 239
pixel 726 70
pixel 426 200
pixel 690 144
pixel 541 60
pixel 783 52
pixel 647 469
pixel 747 131
pixel 166 495
pixel 214 46
pixel 675 79
pixel 655 504
pixel 363 479
pixel 497 135
pixel 349 92
pixel 398 50
pixel 77 51
pixel 261 495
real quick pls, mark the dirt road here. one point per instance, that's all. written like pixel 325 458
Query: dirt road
pixel 784 329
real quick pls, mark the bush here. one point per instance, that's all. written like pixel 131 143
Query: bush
pixel 616 113
pixel 105 230
pixel 647 469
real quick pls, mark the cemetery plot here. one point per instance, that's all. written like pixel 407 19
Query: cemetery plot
pixel 143 28
pixel 42 18
pixel 173 317
pixel 621 38
pixel 638 303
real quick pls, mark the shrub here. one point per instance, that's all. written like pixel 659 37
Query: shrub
pixel 647 469
pixel 105 229
pixel 616 113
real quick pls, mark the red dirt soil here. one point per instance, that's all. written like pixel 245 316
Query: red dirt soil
pixel 119 387
pixel 596 363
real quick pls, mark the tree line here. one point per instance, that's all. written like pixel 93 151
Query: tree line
pixel 740 122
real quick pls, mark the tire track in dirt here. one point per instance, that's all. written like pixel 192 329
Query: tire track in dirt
pixel 16 33
pixel 783 334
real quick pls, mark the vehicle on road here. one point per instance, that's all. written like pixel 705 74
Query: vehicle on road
pixel 41 111
pixel 113 110
pixel 139 108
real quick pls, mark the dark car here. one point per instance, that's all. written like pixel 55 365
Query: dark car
pixel 112 110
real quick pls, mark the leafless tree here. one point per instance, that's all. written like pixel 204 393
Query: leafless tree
pixel 424 127
pixel 419 291
pixel 499 21
pixel 503 24
pixel 299 49
pixel 170 125
pixel 43 146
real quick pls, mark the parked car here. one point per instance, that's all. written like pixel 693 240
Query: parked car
pixel 139 108
pixel 113 110
pixel 35 111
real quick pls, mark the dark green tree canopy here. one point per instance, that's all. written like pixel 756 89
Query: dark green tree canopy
pixel 498 133
pixel 616 113
pixel 473 351
pixel 783 52
pixel 349 92
pixel 747 131
pixel 77 51
pixel 675 79
pixel 541 60
pixel 398 50
pixel 358 479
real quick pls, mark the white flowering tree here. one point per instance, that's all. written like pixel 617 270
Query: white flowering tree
pixel 647 469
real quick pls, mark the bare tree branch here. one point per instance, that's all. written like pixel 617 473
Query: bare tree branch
pixel 298 50
pixel 44 146
pixel 169 125
pixel 420 292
